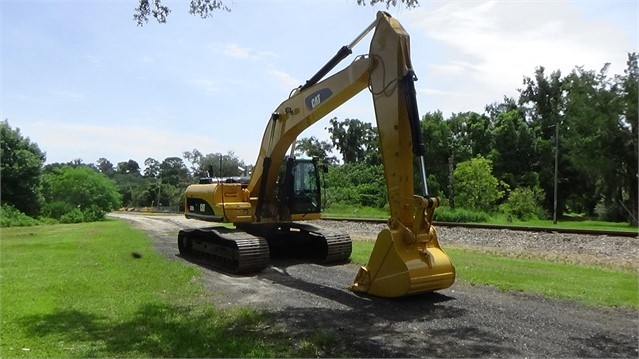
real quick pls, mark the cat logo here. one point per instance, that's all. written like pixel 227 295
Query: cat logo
pixel 317 97
pixel 316 100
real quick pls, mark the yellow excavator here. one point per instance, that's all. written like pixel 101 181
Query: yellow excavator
pixel 271 209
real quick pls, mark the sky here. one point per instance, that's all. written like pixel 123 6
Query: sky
pixel 82 80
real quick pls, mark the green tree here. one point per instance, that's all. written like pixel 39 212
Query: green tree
pixel 514 153
pixel 156 194
pixel 195 159
pixel 356 141
pixel 475 186
pixel 356 184
pixel 216 164
pixel 128 167
pixel 589 151
pixel 206 8
pixel 20 166
pixel 312 147
pixel 542 100
pixel 105 167
pixel 474 131
pixel 151 168
pixel 130 182
pixel 173 171
pixel 439 145
pixel 76 194
pixel 628 87
pixel 131 187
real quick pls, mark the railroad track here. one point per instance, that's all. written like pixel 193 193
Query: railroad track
pixel 594 232
pixel 597 232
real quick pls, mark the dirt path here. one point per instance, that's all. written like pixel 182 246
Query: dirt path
pixel 461 321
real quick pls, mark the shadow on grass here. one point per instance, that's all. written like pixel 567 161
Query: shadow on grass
pixel 155 330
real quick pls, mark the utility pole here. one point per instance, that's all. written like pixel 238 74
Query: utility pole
pixel 554 214
pixel 451 179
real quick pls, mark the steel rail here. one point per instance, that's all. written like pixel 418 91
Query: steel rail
pixel 594 232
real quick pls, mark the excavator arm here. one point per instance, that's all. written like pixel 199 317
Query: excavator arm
pixel 407 257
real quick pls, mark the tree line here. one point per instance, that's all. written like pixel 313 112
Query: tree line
pixel 568 143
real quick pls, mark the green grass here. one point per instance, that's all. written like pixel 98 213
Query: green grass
pixel 447 215
pixel 589 285
pixel 568 223
pixel 75 291
pixel 349 211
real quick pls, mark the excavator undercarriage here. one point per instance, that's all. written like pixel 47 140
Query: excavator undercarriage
pixel 248 247
pixel 229 250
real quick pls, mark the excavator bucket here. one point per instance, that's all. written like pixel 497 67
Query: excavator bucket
pixel 404 262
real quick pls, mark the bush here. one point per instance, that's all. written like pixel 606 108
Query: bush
pixel 459 215
pixel 523 203
pixel 475 186
pixel 74 216
pixel 79 194
pixel 93 214
pixel 56 209
pixel 349 210
pixel 611 212
pixel 356 184
pixel 11 217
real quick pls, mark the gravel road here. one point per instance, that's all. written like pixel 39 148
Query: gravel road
pixel 461 321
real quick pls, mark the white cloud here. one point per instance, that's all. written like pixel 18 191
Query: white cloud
pixel 488 47
pixel 266 54
pixel 235 51
pixel 245 53
pixel 286 81
pixel 64 141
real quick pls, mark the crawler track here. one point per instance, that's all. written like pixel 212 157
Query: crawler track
pixel 230 250
pixel 304 241
pixel 248 248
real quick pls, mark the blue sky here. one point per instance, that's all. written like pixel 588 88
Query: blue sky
pixel 83 81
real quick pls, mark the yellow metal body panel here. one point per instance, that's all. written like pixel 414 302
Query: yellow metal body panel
pixel 229 200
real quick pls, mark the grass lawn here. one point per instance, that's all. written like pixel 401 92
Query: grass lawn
pixel 567 222
pixel 589 285
pixel 76 291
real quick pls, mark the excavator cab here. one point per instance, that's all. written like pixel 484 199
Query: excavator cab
pixel 299 187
